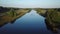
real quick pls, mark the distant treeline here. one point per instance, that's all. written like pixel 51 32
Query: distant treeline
pixel 6 9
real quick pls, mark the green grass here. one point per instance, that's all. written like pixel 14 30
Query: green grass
pixel 56 17
pixel 52 15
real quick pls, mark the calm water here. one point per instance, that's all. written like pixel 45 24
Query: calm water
pixel 29 23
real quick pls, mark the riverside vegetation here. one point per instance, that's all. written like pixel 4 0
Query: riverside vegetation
pixel 9 14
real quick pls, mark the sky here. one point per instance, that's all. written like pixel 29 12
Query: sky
pixel 31 3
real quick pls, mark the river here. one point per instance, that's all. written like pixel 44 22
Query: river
pixel 29 23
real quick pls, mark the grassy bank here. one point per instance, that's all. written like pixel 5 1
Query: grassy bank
pixel 11 15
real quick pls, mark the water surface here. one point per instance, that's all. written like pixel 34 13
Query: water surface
pixel 31 22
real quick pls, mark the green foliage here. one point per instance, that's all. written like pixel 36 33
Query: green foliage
pixel 11 13
pixel 56 16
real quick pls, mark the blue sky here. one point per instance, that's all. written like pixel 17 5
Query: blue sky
pixel 31 3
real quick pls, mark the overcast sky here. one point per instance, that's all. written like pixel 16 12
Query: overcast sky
pixel 31 3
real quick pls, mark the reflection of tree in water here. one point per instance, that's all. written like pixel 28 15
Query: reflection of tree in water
pixel 49 15
pixel 51 27
pixel 11 16
pixel 3 24
pixel 53 20
pixel 4 21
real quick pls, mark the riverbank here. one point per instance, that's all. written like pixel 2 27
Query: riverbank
pixel 11 16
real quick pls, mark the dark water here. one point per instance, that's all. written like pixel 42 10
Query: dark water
pixel 28 24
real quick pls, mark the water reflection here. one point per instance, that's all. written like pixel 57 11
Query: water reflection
pixel 31 22
pixel 51 27
pixel 11 17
